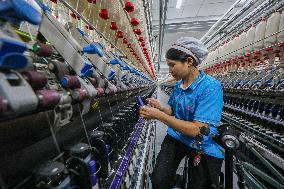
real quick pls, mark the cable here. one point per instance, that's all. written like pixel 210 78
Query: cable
pixel 52 131
pixel 85 129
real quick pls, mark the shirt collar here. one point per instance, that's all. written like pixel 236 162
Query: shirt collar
pixel 195 83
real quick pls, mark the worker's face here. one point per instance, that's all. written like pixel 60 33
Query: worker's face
pixel 179 70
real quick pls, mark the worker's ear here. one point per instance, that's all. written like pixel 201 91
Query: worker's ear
pixel 189 61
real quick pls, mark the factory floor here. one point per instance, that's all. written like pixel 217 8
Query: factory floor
pixel 161 131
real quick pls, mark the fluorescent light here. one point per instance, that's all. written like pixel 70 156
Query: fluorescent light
pixel 179 2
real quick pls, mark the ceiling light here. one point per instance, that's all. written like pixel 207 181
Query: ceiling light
pixel 179 2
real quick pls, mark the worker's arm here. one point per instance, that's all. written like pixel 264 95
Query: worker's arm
pixel 186 127
pixel 167 111
pixel 156 104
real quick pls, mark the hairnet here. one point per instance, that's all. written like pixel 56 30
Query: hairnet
pixel 193 47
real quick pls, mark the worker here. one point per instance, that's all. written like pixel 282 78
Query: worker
pixel 196 102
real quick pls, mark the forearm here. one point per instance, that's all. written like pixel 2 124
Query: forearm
pixel 166 110
pixel 185 127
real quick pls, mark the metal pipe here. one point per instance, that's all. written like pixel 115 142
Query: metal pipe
pixel 148 5
pixel 258 10
pixel 240 174
pixel 252 181
pixel 235 16
pixel 268 165
pixel 164 21
pixel 262 175
pixel 163 10
pixel 160 32
pixel 254 13
pixel 216 23
pixel 148 23
pixel 263 150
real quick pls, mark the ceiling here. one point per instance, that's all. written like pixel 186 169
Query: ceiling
pixel 194 18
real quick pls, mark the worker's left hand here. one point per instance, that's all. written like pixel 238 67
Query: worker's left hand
pixel 148 112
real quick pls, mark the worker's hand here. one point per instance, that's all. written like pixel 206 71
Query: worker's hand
pixel 148 112
pixel 154 103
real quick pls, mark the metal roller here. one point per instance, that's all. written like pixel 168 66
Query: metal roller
pixel 100 81
pixel 100 91
pixel 106 82
pixel 36 79
pixel 70 82
pixel 119 89
pixel 123 87
pixel 42 49
pixel 58 68
pixel 3 104
pixel 48 98
pixel 80 94
pixel 111 89
pixel 93 81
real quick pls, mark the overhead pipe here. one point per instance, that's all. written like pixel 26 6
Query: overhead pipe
pixel 163 10
pixel 160 32
pixel 257 10
pixel 216 23
pixel 245 8
pixel 147 13
pixel 149 23
pixel 164 22
pixel 232 19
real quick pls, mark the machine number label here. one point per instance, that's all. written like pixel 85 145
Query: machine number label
pixel 95 105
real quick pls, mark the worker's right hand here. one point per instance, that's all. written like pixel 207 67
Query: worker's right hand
pixel 154 103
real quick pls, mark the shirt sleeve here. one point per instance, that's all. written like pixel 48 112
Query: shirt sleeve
pixel 209 105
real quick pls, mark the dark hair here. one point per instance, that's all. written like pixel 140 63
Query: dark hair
pixel 174 54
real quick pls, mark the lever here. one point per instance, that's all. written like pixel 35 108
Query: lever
pixel 140 101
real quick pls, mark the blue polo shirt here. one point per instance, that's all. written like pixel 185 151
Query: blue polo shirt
pixel 201 101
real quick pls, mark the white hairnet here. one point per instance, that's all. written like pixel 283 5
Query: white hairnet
pixel 193 47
